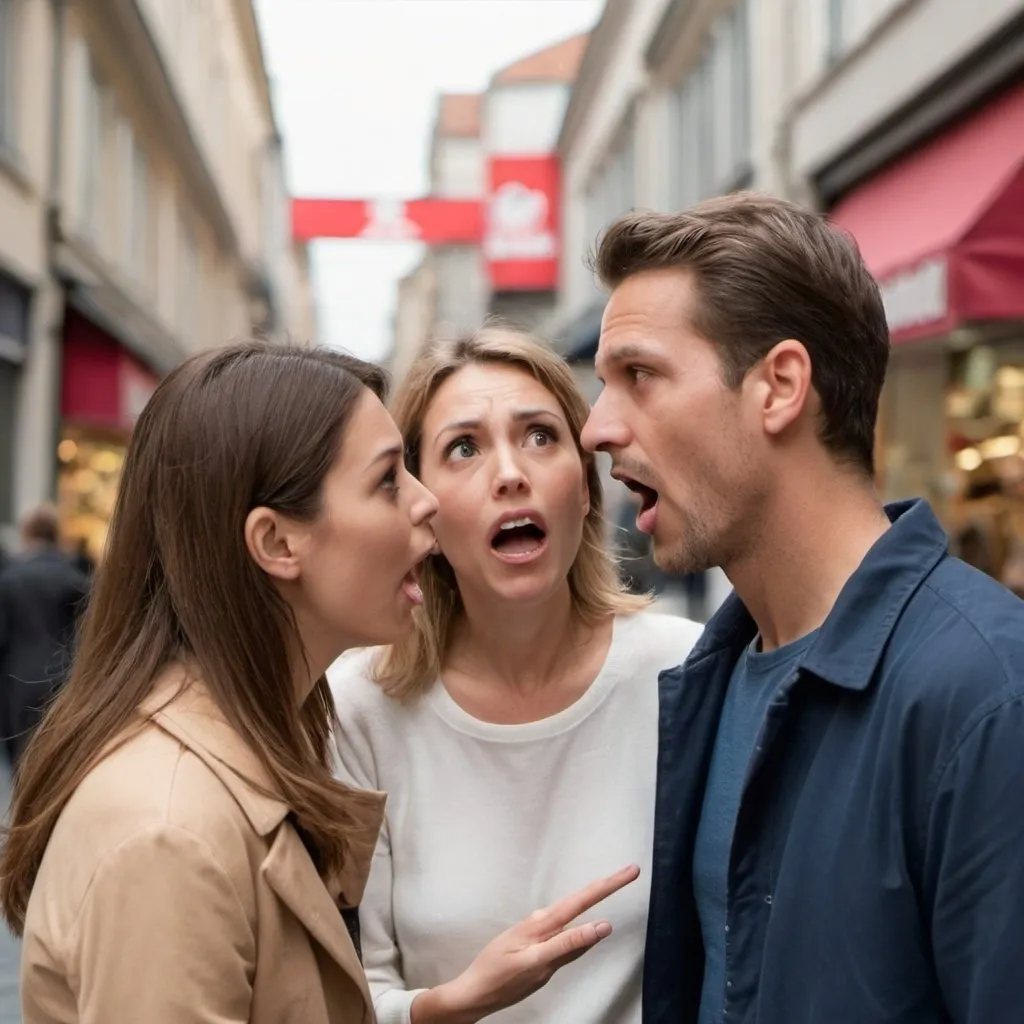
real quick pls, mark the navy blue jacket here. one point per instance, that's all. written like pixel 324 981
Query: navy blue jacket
pixel 877 869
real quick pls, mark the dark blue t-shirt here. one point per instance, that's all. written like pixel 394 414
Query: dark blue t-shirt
pixel 755 680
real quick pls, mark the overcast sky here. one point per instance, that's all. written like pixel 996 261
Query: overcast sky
pixel 355 87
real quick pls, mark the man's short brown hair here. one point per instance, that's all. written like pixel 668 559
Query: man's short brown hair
pixel 765 270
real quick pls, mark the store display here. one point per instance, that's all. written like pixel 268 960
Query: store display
pixel 90 471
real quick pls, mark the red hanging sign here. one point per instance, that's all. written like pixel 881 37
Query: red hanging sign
pixel 521 240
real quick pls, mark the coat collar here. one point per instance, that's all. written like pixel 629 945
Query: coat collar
pixel 183 707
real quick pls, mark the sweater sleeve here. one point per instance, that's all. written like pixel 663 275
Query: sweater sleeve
pixel 357 766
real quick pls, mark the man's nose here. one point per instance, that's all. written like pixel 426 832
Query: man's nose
pixel 604 429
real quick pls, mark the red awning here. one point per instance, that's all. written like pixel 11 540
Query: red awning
pixel 102 384
pixel 943 229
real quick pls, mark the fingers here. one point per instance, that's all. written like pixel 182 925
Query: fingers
pixel 558 915
pixel 570 945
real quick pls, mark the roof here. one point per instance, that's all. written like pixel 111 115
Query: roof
pixel 458 115
pixel 558 63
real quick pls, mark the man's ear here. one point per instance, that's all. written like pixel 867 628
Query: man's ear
pixel 274 543
pixel 785 384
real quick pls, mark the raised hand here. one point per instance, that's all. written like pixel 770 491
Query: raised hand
pixel 523 959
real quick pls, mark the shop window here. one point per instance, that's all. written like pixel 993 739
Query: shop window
pixel 985 417
pixel 89 474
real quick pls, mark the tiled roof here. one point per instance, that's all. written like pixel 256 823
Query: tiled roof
pixel 458 115
pixel 558 63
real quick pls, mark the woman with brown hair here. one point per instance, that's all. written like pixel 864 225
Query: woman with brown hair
pixel 178 847
pixel 516 730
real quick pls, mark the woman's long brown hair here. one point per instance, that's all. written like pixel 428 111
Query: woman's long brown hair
pixel 248 426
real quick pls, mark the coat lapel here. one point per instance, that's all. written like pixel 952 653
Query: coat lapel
pixel 290 872
pixel 183 707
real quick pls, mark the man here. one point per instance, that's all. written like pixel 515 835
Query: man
pixel 41 596
pixel 840 809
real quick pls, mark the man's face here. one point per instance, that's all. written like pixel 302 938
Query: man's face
pixel 677 434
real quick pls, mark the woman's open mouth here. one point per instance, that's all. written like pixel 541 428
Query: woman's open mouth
pixel 519 539
pixel 411 585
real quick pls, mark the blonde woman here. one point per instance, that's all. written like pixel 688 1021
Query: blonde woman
pixel 516 732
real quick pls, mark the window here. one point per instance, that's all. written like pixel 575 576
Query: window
pixel 834 34
pixel 712 113
pixel 133 174
pixel 274 203
pixel 142 226
pixel 188 285
pixel 14 309
pixel 93 114
pixel 8 70
pixel 844 23
pixel 612 189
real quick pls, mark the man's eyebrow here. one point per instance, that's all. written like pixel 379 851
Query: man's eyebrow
pixel 623 353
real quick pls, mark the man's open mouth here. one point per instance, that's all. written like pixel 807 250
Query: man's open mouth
pixel 648 495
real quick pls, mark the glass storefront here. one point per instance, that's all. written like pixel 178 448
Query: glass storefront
pixel 90 470
pixel 952 431
pixel 984 410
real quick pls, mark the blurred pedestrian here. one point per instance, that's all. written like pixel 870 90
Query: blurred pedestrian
pixel 82 559
pixel 516 730
pixel 179 850
pixel 41 598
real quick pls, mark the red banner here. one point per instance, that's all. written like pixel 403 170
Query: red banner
pixel 522 229
pixel 432 221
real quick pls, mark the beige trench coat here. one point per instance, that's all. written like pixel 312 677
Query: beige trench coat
pixel 174 892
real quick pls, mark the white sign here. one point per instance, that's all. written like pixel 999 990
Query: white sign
pixel 917 296
pixel 388 222
pixel 518 225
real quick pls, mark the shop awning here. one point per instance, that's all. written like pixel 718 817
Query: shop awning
pixel 942 229
pixel 102 383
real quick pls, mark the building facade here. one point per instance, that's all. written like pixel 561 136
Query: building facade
pixel 143 217
pixel 918 151
pixel 900 118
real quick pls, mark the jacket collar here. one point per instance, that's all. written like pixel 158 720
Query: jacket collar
pixel 850 643
pixel 183 707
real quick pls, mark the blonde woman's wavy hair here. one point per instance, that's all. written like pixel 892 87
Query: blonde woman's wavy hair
pixel 410 666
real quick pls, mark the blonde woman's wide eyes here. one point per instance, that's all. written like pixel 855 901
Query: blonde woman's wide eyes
pixel 462 448
pixel 542 437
